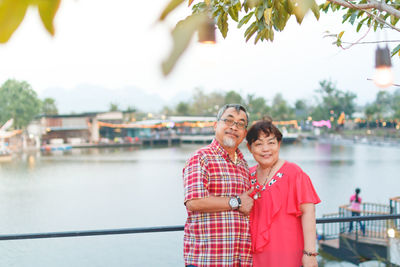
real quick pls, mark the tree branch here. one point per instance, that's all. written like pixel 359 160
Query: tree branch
pixel 381 6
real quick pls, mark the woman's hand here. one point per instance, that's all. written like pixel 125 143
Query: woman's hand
pixel 309 261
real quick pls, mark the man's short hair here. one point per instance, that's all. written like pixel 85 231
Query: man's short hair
pixel 238 108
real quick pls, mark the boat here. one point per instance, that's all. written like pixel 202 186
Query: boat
pixel 5 155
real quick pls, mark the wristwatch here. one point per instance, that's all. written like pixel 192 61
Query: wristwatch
pixel 235 202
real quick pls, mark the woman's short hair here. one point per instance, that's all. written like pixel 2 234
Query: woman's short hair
pixel 263 126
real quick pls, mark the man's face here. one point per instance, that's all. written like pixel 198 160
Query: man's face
pixel 230 136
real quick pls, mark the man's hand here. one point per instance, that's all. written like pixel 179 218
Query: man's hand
pixel 247 202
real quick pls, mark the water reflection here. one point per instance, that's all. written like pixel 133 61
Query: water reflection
pixel 102 188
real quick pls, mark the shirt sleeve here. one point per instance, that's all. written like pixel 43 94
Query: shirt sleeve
pixel 301 190
pixel 195 178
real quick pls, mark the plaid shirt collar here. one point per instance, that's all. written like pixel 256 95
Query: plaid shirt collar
pixel 220 150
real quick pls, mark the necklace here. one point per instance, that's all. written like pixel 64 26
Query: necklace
pixel 258 188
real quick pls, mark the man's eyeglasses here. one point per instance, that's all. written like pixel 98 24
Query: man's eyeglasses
pixel 230 122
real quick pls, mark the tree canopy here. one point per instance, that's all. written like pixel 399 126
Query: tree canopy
pixel 263 18
pixel 18 101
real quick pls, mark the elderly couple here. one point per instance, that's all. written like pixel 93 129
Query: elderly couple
pixel 262 216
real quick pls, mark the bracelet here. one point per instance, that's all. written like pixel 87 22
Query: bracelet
pixel 313 254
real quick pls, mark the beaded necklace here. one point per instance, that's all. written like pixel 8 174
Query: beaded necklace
pixel 258 188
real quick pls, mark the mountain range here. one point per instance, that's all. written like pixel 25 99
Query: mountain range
pixel 91 98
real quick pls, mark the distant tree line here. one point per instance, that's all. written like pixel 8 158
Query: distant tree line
pixel 328 103
pixel 18 100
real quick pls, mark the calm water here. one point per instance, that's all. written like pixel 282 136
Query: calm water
pixel 123 188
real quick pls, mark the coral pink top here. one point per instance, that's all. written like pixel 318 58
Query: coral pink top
pixel 275 221
pixel 354 205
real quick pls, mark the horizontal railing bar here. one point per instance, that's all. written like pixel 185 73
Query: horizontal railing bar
pixel 167 228
pixel 93 232
pixel 358 218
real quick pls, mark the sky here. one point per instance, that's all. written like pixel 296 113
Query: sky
pixel 119 45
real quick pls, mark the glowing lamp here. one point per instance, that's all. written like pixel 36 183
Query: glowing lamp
pixel 383 76
pixel 207 32
pixel 391 232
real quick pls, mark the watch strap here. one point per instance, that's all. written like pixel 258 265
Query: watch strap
pixel 239 201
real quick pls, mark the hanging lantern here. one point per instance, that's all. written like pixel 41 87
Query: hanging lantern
pixel 383 76
pixel 207 32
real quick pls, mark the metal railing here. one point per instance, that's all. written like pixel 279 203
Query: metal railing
pixel 171 228
pixel 394 203
pixel 369 228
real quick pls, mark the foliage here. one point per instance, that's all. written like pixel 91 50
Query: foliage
pixel 265 17
pixel 114 107
pixel 49 106
pixel 18 101
pixel 12 12
pixel 362 13
pixel 280 109
pixel 380 108
pixel 333 102
pixel 182 108
pixel 257 107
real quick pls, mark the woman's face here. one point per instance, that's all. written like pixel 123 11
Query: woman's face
pixel 265 150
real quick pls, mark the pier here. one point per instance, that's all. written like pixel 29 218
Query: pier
pixel 368 240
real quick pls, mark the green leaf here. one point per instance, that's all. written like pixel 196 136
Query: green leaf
pixel 361 23
pixel 359 26
pixel 315 10
pixel 267 16
pixel 12 13
pixel 393 20
pixel 170 7
pixel 253 3
pixel 260 35
pixel 47 12
pixel 222 24
pixel 326 5
pixel 396 50
pixel 182 34
pixel 245 19
pixel 346 16
pixel 259 12
pixel 353 17
pixel 233 12
pixel 271 35
pixel 250 30
pixel 300 8
pixel 280 17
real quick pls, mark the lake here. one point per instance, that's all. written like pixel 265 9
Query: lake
pixel 91 189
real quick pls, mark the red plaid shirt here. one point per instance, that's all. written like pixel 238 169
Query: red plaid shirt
pixel 218 238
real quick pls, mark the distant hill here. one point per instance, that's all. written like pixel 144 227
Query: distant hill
pixel 86 98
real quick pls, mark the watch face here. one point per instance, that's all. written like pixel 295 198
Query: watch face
pixel 233 202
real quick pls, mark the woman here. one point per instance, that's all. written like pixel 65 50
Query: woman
pixel 355 203
pixel 282 221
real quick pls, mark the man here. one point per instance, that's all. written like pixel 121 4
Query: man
pixel 217 199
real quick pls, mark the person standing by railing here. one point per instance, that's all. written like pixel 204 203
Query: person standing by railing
pixel 355 206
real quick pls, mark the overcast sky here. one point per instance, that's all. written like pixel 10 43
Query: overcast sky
pixel 119 44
